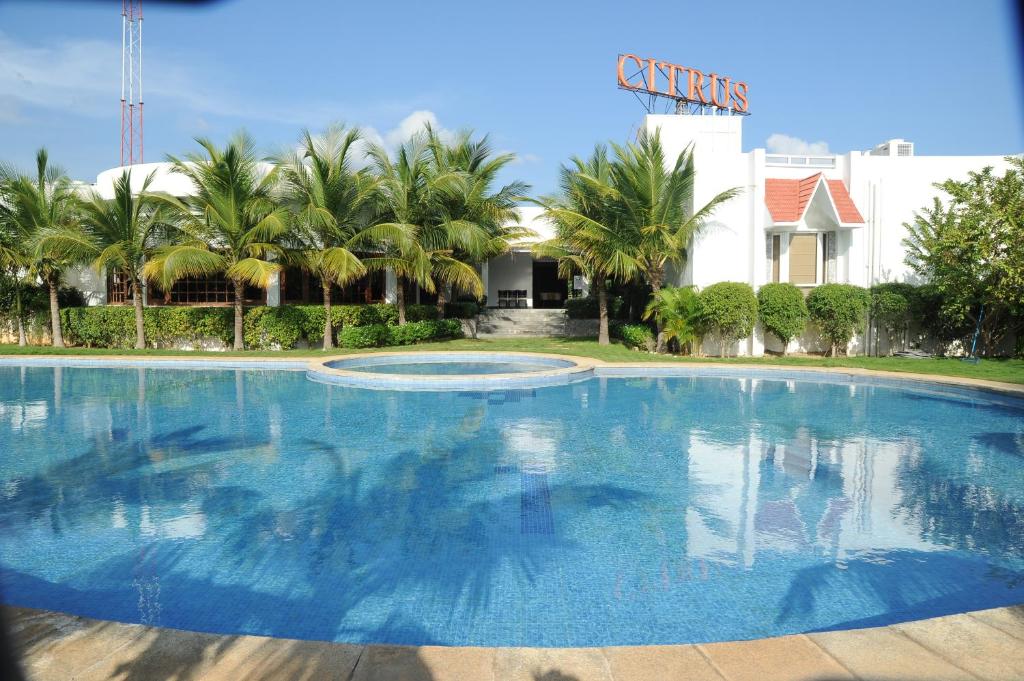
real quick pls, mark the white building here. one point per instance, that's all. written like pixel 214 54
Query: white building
pixel 802 219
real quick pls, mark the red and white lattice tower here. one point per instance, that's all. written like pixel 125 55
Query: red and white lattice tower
pixel 131 82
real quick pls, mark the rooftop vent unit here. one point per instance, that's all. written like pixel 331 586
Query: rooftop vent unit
pixel 895 147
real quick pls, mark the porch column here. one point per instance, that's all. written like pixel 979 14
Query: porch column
pixel 390 287
pixel 485 276
pixel 274 290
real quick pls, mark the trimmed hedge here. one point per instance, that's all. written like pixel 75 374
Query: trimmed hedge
pixel 264 328
pixel 113 326
pixel 379 335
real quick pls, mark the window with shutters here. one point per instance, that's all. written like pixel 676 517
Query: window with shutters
pixel 803 259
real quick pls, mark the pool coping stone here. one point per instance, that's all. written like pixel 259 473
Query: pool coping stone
pixel 55 647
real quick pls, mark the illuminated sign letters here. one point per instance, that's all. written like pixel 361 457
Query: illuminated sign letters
pixel 682 83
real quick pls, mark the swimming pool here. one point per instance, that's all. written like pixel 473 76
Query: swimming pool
pixel 611 511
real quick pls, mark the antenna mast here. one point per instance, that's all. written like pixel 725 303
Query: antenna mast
pixel 131 82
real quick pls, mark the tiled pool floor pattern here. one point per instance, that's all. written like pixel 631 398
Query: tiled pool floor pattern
pixel 614 511
pixel 986 645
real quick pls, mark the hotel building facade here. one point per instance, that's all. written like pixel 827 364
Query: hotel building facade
pixel 807 220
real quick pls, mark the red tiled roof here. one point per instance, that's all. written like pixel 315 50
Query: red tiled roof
pixel 845 206
pixel 787 199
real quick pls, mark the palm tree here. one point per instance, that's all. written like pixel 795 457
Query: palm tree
pixel 231 224
pixel 123 232
pixel 423 237
pixel 330 205
pixel 677 312
pixel 587 238
pixel 472 201
pixel 653 204
pixel 34 210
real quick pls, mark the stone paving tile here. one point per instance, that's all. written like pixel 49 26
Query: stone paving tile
pixel 428 663
pixel 551 664
pixel 1009 620
pixel 886 654
pixel 789 658
pixel 71 647
pixel 255 658
pixel 657 663
pixel 975 646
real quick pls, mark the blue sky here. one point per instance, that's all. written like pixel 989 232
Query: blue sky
pixel 539 77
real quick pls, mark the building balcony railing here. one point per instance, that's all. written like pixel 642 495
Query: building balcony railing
pixel 800 161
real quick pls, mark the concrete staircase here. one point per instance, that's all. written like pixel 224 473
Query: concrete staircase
pixel 505 322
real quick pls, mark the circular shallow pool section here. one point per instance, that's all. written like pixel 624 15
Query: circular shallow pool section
pixel 450 370
pixel 613 511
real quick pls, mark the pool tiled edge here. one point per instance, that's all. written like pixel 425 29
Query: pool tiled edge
pixel 987 644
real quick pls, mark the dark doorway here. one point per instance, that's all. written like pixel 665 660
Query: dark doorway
pixel 549 290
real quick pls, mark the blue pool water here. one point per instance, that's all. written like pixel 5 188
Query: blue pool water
pixel 610 511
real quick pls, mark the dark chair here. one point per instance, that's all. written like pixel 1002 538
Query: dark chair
pixel 521 298
pixel 504 297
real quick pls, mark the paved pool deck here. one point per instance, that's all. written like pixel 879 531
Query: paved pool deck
pixel 986 645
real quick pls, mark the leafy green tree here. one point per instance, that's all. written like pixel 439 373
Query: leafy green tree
pixel 679 313
pixel 33 210
pixel 783 311
pixel 585 241
pixel 729 309
pixel 971 248
pixel 231 224
pixel 331 207
pixel 839 311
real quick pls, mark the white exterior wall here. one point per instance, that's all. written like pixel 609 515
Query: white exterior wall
pixel 887 190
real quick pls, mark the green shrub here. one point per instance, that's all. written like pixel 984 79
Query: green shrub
pixel 783 311
pixel 428 329
pixel 729 309
pixel 587 308
pixel 838 310
pixel 633 335
pixel 372 336
pixel 378 335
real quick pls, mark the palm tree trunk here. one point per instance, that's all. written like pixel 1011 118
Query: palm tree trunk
pixel 55 330
pixel 239 343
pixel 328 327
pixel 654 277
pixel 441 300
pixel 140 323
pixel 602 311
pixel 400 300
pixel 20 313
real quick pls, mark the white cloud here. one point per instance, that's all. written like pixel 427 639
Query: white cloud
pixel 779 143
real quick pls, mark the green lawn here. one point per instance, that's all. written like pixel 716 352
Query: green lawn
pixel 1007 370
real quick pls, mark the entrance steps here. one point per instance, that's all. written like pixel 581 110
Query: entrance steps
pixel 529 322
